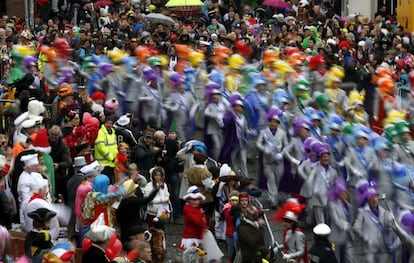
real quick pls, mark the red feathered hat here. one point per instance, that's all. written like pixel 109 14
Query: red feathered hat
pixel 98 96
pixel 291 205
pixel 243 48
pixel 316 61
pixel 344 44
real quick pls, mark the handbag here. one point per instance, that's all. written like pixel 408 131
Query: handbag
pixel 10 196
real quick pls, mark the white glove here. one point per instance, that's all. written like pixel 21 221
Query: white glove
pixel 279 156
pixel 391 217
pixel 287 256
pixel 276 249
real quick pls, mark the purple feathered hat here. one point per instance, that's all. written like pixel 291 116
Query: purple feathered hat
pixel 321 148
pixel 299 124
pixel 236 99
pixel 149 74
pixel 339 187
pixel 370 192
pixel 29 61
pixel 365 190
pixel 273 113
pixel 407 220
pixel 212 88
pixel 307 144
pixel 176 79
pixel 105 68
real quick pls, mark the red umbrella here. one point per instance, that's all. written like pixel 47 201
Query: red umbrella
pixel 276 3
pixel 186 11
pixel 102 3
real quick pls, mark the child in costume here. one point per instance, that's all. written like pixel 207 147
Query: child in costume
pixel 194 219
pixel 38 239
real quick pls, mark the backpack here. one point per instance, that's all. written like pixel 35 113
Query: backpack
pixel 88 206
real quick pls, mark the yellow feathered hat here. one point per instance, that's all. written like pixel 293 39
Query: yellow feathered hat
pixel 394 116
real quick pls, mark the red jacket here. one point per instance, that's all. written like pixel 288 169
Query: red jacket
pixel 194 222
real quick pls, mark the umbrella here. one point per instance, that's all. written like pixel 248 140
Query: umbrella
pixel 186 11
pixel 158 18
pixel 185 7
pixel 102 3
pixel 174 3
pixel 276 3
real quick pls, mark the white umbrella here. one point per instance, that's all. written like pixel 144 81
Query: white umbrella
pixel 157 18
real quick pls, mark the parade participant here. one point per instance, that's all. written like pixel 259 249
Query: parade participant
pixel 359 160
pixel 38 240
pixel 384 98
pixel 317 72
pixel 250 234
pixel 320 180
pixel 258 102
pixel 194 219
pixel 337 144
pixel 404 229
pixel 186 106
pixel 234 77
pixel 234 151
pixel 99 200
pixel 100 236
pixel 385 167
pixel 159 206
pixel 150 99
pixel 200 176
pixel 25 185
pixel 42 146
pixel 336 95
pixel 272 142
pixel 306 165
pixel 62 162
pixel 61 103
pixel 341 218
pixel 373 225
pixel 89 172
pixel 106 148
pixel 295 152
pixel 321 251
pixel 39 200
pixel 356 112
pixel 214 113
pixel 403 150
pixel 294 243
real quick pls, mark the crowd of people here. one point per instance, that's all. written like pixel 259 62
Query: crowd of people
pixel 115 124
